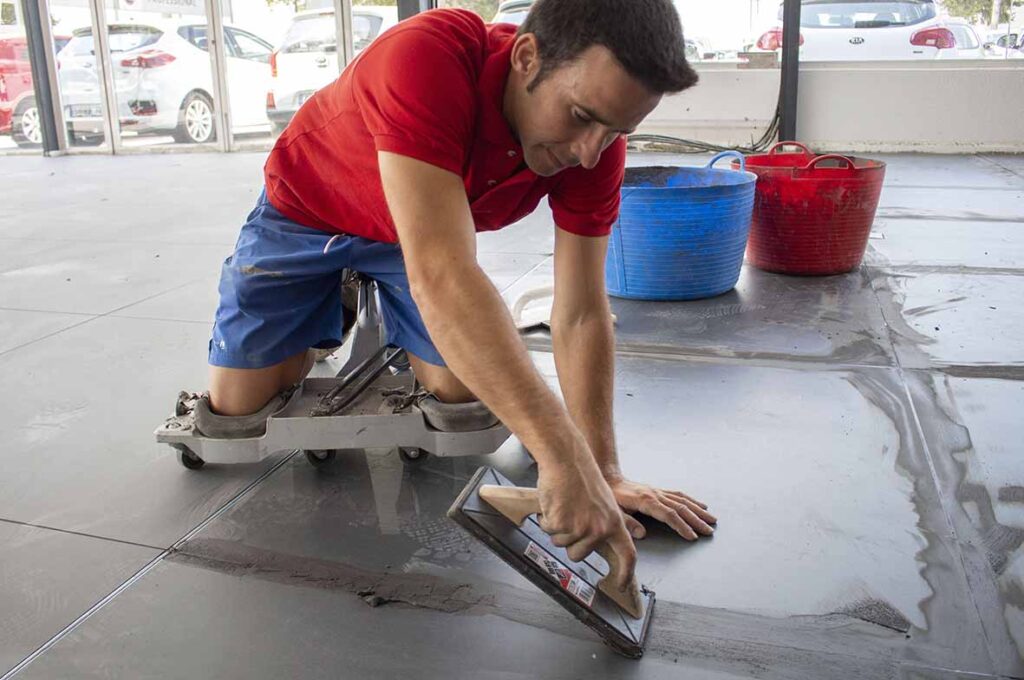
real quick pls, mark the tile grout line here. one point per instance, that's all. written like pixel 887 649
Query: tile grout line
pixel 1000 165
pixel 77 533
pixel 944 505
pixel 544 258
pixel 146 568
pixel 44 311
pixel 933 472
pixel 99 316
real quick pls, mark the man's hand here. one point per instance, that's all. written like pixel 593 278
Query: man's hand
pixel 687 516
pixel 578 509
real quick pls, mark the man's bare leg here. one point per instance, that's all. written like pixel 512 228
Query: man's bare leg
pixel 441 381
pixel 241 391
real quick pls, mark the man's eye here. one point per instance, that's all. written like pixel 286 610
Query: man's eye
pixel 580 117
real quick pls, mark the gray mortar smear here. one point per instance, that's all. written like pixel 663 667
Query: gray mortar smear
pixel 952 622
pixel 984 544
pixel 823 647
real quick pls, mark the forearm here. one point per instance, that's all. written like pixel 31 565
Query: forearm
pixel 471 327
pixel 584 348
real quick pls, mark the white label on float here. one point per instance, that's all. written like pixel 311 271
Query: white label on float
pixel 564 576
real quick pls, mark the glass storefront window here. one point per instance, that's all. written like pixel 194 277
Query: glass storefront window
pixel 306 55
pixel 161 73
pixel 899 30
pixel 20 120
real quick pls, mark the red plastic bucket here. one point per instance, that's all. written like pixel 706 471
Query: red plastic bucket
pixel 812 214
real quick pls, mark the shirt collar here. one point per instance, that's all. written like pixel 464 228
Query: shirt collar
pixel 493 126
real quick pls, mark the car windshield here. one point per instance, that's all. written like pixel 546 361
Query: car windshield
pixel 514 16
pixel 122 39
pixel 310 34
pixel 863 14
pixel 317 33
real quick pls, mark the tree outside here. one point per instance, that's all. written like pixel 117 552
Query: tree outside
pixel 981 11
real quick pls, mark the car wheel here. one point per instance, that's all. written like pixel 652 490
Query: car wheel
pixel 27 128
pixel 195 120
pixel 79 139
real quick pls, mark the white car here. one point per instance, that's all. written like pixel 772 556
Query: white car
pixel 859 30
pixel 1002 45
pixel 515 11
pixel 163 81
pixel 308 56
pixel 512 12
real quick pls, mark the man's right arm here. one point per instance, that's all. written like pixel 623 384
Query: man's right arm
pixel 471 327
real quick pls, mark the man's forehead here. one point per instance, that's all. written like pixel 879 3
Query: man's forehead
pixel 603 88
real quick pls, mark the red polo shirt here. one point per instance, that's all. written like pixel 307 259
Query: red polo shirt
pixel 431 88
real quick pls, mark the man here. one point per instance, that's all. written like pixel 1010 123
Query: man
pixel 446 126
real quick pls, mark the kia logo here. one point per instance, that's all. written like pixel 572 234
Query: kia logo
pixel 856 41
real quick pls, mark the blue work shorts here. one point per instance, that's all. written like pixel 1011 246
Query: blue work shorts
pixel 280 293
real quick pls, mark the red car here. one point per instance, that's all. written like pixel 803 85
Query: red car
pixel 19 116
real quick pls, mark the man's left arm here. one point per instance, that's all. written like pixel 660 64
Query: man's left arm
pixel 583 338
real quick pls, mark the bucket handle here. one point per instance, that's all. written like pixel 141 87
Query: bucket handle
pixel 775 149
pixel 834 157
pixel 729 154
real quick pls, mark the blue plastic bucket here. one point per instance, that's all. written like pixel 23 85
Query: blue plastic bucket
pixel 681 232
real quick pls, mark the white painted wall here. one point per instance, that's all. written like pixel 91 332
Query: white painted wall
pixel 935 107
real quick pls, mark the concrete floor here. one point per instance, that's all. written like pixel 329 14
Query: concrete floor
pixel 860 438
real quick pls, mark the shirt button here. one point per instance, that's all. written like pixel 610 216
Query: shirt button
pixel 492 182
pixel 511 153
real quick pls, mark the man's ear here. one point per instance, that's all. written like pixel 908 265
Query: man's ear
pixel 525 56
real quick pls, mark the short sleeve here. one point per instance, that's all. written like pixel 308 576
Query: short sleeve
pixel 586 202
pixel 415 90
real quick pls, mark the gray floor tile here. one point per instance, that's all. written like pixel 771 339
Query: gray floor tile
pixel 945 171
pixel 79 452
pixel 945 317
pixel 19 327
pixel 96 278
pixel 997 245
pixel 195 302
pixel 1012 163
pixel 835 573
pixel 187 619
pixel 836 556
pixel 974 430
pixel 951 203
pixel 198 300
pixel 504 269
pixel 105 195
pixel 534 234
pixel 49 578
pixel 766 316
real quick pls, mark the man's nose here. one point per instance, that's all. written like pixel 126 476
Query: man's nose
pixel 587 148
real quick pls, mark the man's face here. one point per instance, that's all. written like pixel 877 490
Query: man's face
pixel 577 111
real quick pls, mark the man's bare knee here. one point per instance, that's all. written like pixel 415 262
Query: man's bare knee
pixel 241 391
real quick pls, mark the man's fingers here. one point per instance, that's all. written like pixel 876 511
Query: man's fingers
pixel 579 550
pixel 670 516
pixel 680 496
pixel 623 547
pixel 699 511
pixel 548 526
pixel 635 528
pixel 691 518
pixel 563 539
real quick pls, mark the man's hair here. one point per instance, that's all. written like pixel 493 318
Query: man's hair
pixel 644 35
